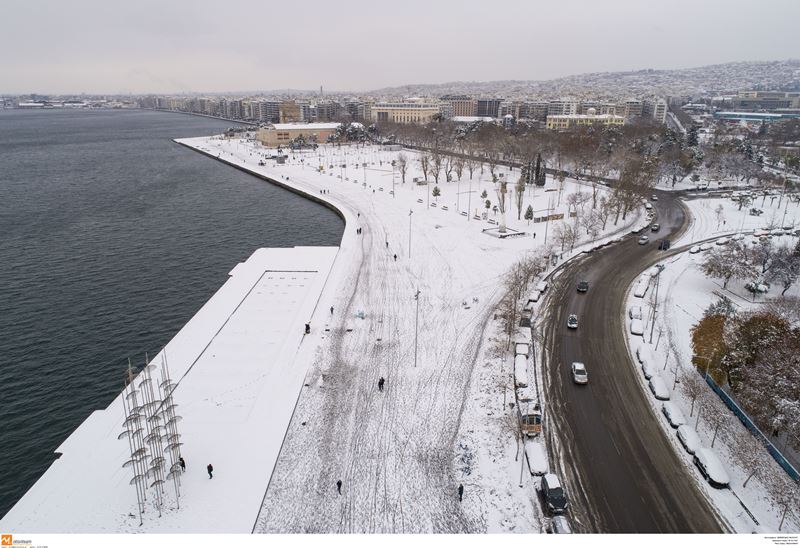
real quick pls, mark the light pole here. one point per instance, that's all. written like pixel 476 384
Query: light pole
pixel 416 327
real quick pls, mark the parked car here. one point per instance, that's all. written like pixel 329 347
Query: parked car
pixel 553 493
pixel 635 312
pixel 674 415
pixel 722 241
pixel 648 370
pixel 643 240
pixel 659 388
pixel 694 249
pixel 648 206
pixel 688 438
pixel 706 246
pixel 541 287
pixel 654 198
pixel 579 373
pixel 560 525
pixel 655 227
pixel 572 321
pixel 663 245
pixel 711 468
pixel 637 327
pixel 583 286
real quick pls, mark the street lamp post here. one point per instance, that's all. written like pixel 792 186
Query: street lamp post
pixel 410 213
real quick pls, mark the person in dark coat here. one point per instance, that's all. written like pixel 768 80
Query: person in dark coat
pixel 210 471
pixel 339 486
pixel 182 463
pixel 395 257
pixel 460 492
pixel 331 310
pixel 380 384
pixel 308 328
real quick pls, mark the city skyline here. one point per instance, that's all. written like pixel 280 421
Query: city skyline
pixel 96 48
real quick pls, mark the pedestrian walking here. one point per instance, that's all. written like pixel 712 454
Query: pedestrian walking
pixel 339 486
pixel 380 384
pixel 395 257
pixel 210 471
pixel 308 328
pixel 387 243
pixel 331 310
pixel 182 463
pixel 460 492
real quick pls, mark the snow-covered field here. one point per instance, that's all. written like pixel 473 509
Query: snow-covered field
pixel 683 293
pixel 402 453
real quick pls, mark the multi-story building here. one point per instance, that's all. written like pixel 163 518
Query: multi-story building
pixel 563 107
pixel 289 112
pixel 282 134
pixel 656 109
pixel 265 111
pixel 632 108
pixel 462 105
pixel 534 110
pixel 488 107
pixel 766 100
pixel 411 111
pixel 567 121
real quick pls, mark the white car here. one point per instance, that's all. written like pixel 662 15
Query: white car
pixel 579 373
pixel 639 354
pixel 711 468
pixel 722 241
pixel 635 312
pixel 706 246
pixel 648 370
pixel 659 388
pixel 688 438
pixel 673 413
pixel 643 240
pixel 737 237
pixel 637 327
pixel 648 206
pixel 694 249
pixel 572 321
pixel 654 198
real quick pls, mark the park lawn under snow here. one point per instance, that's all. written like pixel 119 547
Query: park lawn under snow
pixel 684 292
pixel 402 453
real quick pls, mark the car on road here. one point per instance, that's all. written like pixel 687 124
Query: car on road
pixel 579 373
pixel 643 240
pixel 688 438
pixel 654 198
pixel 663 245
pixel 583 286
pixel 711 468
pixel 572 321
pixel 553 493
pixel 659 388
pixel 694 249
pixel 648 206
pixel 673 414
pixel 655 227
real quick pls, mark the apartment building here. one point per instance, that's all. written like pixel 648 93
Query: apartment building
pixel 462 105
pixel 411 111
pixel 282 134
pixel 567 121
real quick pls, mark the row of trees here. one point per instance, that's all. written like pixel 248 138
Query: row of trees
pixel 756 264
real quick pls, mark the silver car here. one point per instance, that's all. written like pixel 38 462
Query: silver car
pixel 579 373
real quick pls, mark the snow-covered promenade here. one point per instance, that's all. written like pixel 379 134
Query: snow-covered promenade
pixel 258 387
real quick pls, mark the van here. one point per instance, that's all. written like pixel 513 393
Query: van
pixel 522 349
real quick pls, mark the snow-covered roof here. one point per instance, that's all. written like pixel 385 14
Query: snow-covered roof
pixel 552 481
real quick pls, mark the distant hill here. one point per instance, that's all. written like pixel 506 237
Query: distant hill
pixel 711 79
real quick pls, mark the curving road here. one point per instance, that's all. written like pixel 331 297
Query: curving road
pixel 621 472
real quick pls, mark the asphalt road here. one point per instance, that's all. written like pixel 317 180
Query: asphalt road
pixel 621 472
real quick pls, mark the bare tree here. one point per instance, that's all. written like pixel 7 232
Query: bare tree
pixel 692 386
pixel 436 166
pixel 784 267
pixel 425 164
pixel 458 165
pixel 519 196
pixel 787 494
pixel 449 166
pixel 726 262
pixel 402 165
pixel 750 453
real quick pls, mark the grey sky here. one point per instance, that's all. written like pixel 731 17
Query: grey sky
pixel 102 46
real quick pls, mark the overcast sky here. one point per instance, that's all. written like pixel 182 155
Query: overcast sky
pixel 163 46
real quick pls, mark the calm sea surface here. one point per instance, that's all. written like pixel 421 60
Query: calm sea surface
pixel 111 238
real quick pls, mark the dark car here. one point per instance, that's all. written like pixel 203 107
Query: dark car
pixel 663 245
pixel 655 227
pixel 583 286
pixel 553 493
